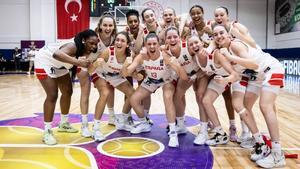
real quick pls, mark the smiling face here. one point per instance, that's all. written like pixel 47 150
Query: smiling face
pixel 152 45
pixel 196 14
pixel 194 45
pixel 133 23
pixel 221 36
pixel 172 38
pixel 107 26
pixel 121 42
pixel 221 16
pixel 168 16
pixel 91 44
pixel 149 17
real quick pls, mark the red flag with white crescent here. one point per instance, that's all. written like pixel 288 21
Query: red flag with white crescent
pixel 73 16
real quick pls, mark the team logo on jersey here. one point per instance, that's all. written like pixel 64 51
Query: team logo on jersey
pixel 185 57
pixel 161 63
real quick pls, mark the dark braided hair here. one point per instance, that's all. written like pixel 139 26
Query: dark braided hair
pixel 80 47
pixel 196 6
pixel 132 12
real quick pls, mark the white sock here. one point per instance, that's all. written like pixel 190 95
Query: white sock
pixel 146 112
pixel 219 129
pixel 172 127
pixel 276 147
pixel 180 121
pixel 129 113
pixel 125 116
pixel 203 127
pixel 48 125
pixel 111 111
pixel 258 137
pixel 245 128
pixel 96 124
pixel 64 118
pixel 84 118
pixel 231 122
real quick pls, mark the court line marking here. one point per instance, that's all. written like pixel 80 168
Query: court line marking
pixel 160 145
pixel 89 154
pixel 72 160
pixel 73 143
pixel 240 148
pixel 37 163
pixel 12 129
pixel 36 128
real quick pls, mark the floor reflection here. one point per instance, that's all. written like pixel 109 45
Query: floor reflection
pixel 292 84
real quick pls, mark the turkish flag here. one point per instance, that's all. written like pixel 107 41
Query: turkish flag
pixel 73 16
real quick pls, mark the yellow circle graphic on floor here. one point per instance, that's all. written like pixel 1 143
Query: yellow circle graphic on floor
pixel 130 147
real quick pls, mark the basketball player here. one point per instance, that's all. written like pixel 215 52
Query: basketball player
pixel 109 66
pixel 179 49
pixel 158 70
pixel 265 81
pixel 52 69
pixel 106 30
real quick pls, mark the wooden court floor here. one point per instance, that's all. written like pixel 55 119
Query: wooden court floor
pixel 22 96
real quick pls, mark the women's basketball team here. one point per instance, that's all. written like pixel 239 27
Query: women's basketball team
pixel 215 57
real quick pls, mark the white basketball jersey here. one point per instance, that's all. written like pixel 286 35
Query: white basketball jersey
pixel 211 68
pixel 186 60
pixel 45 55
pixel 157 69
pixel 112 65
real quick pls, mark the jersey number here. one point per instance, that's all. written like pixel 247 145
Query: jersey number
pixel 154 75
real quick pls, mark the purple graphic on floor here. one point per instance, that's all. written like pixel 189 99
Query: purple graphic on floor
pixel 187 155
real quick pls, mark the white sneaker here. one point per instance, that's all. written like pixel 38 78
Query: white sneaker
pixel 260 151
pixel 201 138
pixel 272 160
pixel 112 119
pixel 181 129
pixel 122 124
pixel 85 132
pixel 149 120
pixel 66 127
pixel 248 143
pixel 245 136
pixel 143 126
pixel 98 136
pixel 48 138
pixel 173 142
pixel 218 139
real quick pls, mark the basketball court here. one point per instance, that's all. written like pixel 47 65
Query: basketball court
pixel 21 128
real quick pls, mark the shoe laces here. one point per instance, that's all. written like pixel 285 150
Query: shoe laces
pixel 172 133
pixel 257 148
pixel 66 125
pixel 149 120
pixel 215 136
pixel 50 132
